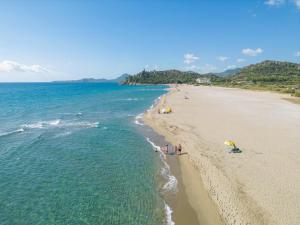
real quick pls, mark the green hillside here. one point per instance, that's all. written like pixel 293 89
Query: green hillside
pixel 163 77
pixel 267 75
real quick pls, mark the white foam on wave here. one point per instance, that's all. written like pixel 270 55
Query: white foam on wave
pixel 156 101
pixel 63 134
pixel 42 124
pixel 168 212
pixel 131 99
pixel 59 123
pixel 11 132
pixel 151 107
pixel 171 184
pixel 54 122
pixel 78 125
pixel 81 124
pixel 71 113
pixel 154 146
pixel 138 119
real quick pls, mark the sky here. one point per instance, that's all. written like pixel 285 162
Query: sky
pixel 62 40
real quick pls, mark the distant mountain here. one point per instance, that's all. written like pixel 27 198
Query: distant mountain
pixel 164 77
pixel 119 79
pixel 229 72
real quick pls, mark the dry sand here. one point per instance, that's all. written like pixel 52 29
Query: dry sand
pixel 259 186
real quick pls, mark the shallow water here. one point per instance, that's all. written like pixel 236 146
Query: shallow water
pixel 71 154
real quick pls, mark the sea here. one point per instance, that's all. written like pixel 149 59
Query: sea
pixel 79 153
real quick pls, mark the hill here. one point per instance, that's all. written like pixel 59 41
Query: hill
pixel 228 72
pixel 119 79
pixel 267 75
pixel 164 77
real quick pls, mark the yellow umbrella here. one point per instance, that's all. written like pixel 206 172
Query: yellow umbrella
pixel 230 143
pixel 168 110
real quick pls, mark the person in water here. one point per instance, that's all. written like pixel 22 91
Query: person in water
pixel 179 149
pixel 167 149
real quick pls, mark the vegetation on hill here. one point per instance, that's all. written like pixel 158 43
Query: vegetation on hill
pixel 164 77
pixel 267 75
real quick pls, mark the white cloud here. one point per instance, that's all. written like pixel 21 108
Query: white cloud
pixel 274 2
pixel 252 52
pixel 189 58
pixel 297 3
pixel 281 2
pixel 222 58
pixel 240 60
pixel 10 66
pixel 297 54
pixel 230 67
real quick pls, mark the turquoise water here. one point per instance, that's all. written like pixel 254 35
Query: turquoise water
pixel 72 154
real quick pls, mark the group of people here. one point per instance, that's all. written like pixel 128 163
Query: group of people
pixel 169 150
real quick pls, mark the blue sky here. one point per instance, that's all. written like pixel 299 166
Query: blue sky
pixel 57 40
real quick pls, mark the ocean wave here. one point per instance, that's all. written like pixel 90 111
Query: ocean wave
pixel 154 89
pixel 82 124
pixel 76 114
pixel 151 107
pixel 79 125
pixel 63 134
pixel 42 124
pixel 156 101
pixel 154 146
pixel 61 124
pixel 168 212
pixel 138 119
pixel 11 132
pixel 131 99
pixel 171 184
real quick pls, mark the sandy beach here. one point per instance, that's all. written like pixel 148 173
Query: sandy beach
pixel 260 185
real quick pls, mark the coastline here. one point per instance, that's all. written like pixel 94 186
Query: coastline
pixel 191 204
pixel 232 190
pixel 177 207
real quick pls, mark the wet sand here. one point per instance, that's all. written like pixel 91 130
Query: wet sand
pixel 182 211
pixel 261 185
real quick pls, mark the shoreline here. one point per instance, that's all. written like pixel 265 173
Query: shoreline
pixel 178 209
pixel 187 207
pixel 231 180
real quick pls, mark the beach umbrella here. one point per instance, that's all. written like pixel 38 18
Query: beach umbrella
pixel 230 143
pixel 168 110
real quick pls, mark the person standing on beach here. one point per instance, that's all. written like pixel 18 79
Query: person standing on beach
pixel 179 149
